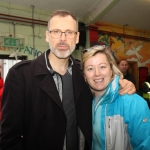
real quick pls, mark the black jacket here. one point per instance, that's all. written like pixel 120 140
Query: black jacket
pixel 129 77
pixel 33 117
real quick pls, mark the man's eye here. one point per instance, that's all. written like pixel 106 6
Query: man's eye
pixel 56 32
pixel 69 32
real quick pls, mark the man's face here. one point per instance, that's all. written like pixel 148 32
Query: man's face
pixel 62 47
pixel 123 66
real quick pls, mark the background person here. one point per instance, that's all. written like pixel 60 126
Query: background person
pixel 146 92
pixel 118 122
pixel 46 102
pixel 124 66
pixel 148 79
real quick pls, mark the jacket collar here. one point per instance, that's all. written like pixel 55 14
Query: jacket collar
pixel 110 94
pixel 48 82
pixel 49 67
pixel 40 67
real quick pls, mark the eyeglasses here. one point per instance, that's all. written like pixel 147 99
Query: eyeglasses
pixel 96 47
pixel 57 34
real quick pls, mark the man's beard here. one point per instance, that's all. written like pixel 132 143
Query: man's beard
pixel 62 53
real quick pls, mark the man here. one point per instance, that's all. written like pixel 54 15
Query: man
pixel 46 102
pixel 124 66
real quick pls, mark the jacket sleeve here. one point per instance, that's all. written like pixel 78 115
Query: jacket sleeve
pixel 12 112
pixel 139 124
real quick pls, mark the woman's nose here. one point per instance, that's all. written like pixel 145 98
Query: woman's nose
pixel 97 72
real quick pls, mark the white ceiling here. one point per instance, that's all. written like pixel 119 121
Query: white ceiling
pixel 135 13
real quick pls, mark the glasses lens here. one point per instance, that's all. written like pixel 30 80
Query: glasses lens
pixel 70 34
pixel 55 33
pixel 58 34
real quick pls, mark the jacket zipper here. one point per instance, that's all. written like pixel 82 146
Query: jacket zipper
pixel 110 132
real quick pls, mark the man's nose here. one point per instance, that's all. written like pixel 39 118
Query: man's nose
pixel 63 36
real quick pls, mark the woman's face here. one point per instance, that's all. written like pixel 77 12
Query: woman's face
pixel 98 73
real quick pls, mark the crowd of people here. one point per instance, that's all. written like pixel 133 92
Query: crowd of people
pixel 48 103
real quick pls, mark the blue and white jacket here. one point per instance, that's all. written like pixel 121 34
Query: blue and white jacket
pixel 120 122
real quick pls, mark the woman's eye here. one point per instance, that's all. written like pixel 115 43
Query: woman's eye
pixel 102 67
pixel 89 69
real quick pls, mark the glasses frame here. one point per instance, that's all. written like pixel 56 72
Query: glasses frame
pixel 50 31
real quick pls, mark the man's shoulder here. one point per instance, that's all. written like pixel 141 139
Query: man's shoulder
pixel 130 77
pixel 21 64
pixel 28 63
pixel 129 74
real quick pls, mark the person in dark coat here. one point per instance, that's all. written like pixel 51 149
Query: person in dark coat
pixel 124 66
pixel 46 103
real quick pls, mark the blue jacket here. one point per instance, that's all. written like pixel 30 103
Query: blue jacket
pixel 120 122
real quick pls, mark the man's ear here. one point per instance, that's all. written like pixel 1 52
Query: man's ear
pixel 47 36
pixel 77 38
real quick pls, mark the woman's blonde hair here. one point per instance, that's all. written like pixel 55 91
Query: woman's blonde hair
pixel 88 53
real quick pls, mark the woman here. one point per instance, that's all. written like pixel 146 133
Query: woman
pixel 120 122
